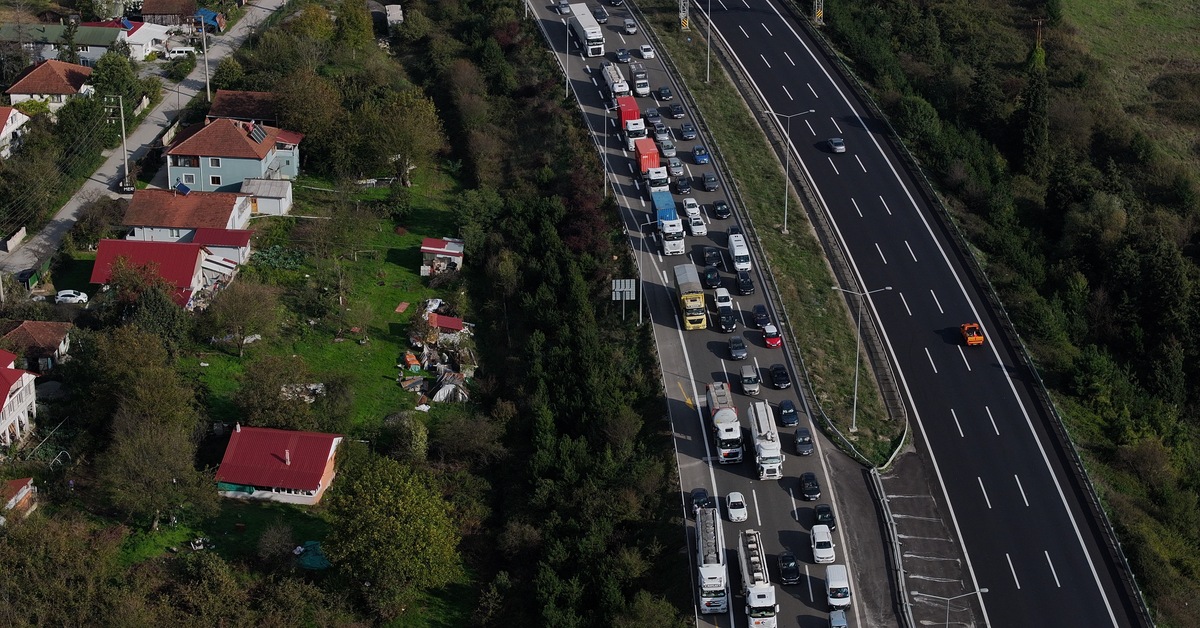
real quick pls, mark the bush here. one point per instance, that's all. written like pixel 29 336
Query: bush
pixel 179 69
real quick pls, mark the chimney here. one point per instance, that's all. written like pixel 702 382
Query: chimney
pixel 237 427
pixel 287 457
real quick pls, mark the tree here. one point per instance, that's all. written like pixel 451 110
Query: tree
pixel 391 528
pixel 229 74
pixel 353 29
pixel 157 313
pixel 261 399
pixel 114 75
pixel 68 51
pixel 312 22
pixel 1034 117
pixel 244 308
pixel 415 134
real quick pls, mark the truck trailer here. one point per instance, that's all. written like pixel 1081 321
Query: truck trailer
pixel 691 297
pixel 768 451
pixel 727 430
pixel 713 574
pixel 615 81
pixel 647 155
pixel 761 608
pixel 587 31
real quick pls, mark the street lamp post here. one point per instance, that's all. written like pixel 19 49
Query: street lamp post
pixel 947 600
pixel 787 149
pixel 858 346
pixel 708 52
pixel 567 62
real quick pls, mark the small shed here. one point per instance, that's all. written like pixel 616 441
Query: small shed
pixel 395 15
pixel 440 255
pixel 272 197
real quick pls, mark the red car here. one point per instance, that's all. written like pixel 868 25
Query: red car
pixel 772 337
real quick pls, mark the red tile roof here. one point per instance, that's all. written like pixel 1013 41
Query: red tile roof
pixel 228 103
pixel 168 208
pixel 34 339
pixel 223 237
pixel 448 323
pixel 7 358
pixel 51 77
pixel 116 23
pixel 257 456
pixel 169 7
pixel 223 138
pixel 6 114
pixel 11 488
pixel 9 377
pixel 452 247
pixel 176 261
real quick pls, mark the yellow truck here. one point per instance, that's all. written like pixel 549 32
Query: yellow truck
pixel 691 297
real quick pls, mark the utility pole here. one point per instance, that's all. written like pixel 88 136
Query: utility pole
pixel 204 46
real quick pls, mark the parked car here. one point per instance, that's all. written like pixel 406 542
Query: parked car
pixel 737 348
pixel 788 416
pixel 697 227
pixel 711 276
pixel 837 145
pixel 674 166
pixel 771 336
pixel 710 182
pixel 683 186
pixel 667 148
pixel 761 317
pixel 780 377
pixel 804 442
pixel 721 210
pixel 744 283
pixel 623 55
pixel 810 488
pixel 700 155
pixel 70 296
pixel 647 51
pixel 735 505
pixel 712 256
pixel 687 131
pixel 664 93
pixel 677 111
pixel 823 515
pixel 789 568
pixel 822 545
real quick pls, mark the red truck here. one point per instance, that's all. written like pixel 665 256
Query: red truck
pixel 629 110
pixel 647 154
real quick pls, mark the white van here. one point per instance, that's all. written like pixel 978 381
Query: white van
pixel 739 252
pixel 837 583
pixel 180 52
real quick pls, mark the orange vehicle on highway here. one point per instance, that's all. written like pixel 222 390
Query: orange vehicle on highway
pixel 972 334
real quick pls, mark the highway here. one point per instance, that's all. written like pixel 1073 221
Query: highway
pixel 1027 534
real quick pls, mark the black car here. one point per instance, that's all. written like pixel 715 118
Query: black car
pixel 824 516
pixel 687 131
pixel 700 499
pixel 616 3
pixel 721 210
pixel 737 348
pixel 745 283
pixel 779 377
pixel 677 111
pixel 712 256
pixel 735 230
pixel 683 186
pixel 710 182
pixel 810 488
pixel 623 55
pixel 664 93
pixel 761 317
pixel 653 117
pixel 726 320
pixel 600 14
pixel 711 276
pixel 789 568
pixel 787 414
pixel 804 442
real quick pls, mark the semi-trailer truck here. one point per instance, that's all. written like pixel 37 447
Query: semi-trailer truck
pixel 632 123
pixel 615 81
pixel 768 451
pixel 691 297
pixel 587 30
pixel 647 155
pixel 756 582
pixel 670 227
pixel 710 559
pixel 727 430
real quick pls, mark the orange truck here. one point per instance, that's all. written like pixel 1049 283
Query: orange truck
pixel 972 334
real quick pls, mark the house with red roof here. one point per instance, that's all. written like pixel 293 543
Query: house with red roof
pixel 441 254
pixel 169 216
pixel 169 12
pixel 144 38
pixel 20 401
pixel 218 156
pixel 43 344
pixel 180 264
pixel 52 82
pixel 277 465
pixel 243 106
pixel 17 497
pixel 13 122
pixel 230 244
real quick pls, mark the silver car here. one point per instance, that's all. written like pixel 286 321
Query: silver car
pixel 667 148
pixel 661 132
pixel 674 167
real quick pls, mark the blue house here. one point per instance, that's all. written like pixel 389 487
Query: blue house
pixel 218 156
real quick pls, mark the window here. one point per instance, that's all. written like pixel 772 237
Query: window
pixel 214 162
pixel 175 233
pixel 214 181
pixel 80 48
pixel 189 178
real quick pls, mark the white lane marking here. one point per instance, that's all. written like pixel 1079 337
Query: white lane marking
pixel 1010 568
pixel 795 511
pixel 994 428
pixel 1053 571
pixel 757 510
pixel 808 577
pixel 765 60
pixel 596 83
pixel 881 255
pixel 789 58
pixel 810 129
pixel 631 171
pixel 855 207
pixel 746 3
pixel 984 491
pixel 905 302
pixel 860 164
pixel 910 251
pixel 744 32
pixel 931 364
pixel 810 88
pixel 885 207
pixel 835 124
pixel 766 29
pixel 722 5
pixel 1022 489
pixel 789 94
pixel 956 424
pixel 834 166
pixel 936 302
pixel 963 355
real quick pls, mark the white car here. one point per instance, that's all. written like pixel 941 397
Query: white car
pixel 70 296
pixel 822 545
pixel 647 51
pixel 696 226
pixel 735 505
pixel 691 207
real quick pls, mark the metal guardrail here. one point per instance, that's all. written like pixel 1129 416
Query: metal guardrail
pixel 991 295
pixel 893 542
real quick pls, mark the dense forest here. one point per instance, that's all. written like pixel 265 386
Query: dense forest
pixel 1086 225
pixel 550 499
